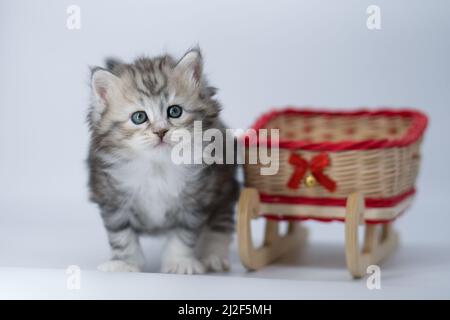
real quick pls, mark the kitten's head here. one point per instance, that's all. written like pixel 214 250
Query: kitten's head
pixel 139 106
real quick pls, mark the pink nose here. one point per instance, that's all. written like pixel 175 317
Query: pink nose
pixel 160 133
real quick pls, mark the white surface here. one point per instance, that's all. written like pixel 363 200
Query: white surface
pixel 36 250
pixel 259 54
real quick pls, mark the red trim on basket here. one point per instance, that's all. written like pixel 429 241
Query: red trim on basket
pixel 415 131
pixel 276 217
pixel 342 202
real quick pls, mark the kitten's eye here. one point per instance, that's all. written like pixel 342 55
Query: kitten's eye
pixel 174 111
pixel 139 117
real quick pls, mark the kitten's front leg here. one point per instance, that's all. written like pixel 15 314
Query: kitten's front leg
pixel 179 255
pixel 216 237
pixel 126 250
pixel 214 247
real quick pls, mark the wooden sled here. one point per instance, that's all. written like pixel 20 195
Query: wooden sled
pixel 358 167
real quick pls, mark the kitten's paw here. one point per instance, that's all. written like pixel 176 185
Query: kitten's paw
pixel 183 265
pixel 118 266
pixel 216 263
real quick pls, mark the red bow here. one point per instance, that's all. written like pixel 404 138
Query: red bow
pixel 317 164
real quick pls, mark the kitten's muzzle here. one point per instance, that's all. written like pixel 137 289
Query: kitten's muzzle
pixel 161 133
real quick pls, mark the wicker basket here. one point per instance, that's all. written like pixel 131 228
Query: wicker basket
pixel 374 152
pixel 358 167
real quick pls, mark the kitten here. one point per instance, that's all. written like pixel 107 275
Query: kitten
pixel 135 110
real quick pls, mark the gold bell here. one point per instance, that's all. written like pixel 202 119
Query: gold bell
pixel 310 181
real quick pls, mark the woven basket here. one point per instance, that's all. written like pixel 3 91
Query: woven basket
pixel 375 152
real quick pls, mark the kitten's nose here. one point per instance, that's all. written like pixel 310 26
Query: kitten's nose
pixel 160 133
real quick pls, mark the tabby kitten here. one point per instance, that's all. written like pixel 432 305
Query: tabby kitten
pixel 135 110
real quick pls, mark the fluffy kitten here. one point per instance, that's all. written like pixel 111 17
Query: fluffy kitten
pixel 135 110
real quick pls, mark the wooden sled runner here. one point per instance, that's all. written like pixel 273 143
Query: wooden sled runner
pixel 274 245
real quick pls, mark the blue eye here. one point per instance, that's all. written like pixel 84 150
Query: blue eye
pixel 139 117
pixel 174 111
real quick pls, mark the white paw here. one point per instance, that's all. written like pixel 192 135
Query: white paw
pixel 216 263
pixel 183 265
pixel 118 266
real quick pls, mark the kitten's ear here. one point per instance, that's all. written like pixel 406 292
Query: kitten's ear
pixel 105 86
pixel 112 63
pixel 209 92
pixel 190 66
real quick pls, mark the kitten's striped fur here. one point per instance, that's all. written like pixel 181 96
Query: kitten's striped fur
pixel 137 187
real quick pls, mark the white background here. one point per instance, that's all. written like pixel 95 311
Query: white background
pixel 259 54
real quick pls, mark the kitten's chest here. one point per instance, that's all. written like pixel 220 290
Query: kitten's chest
pixel 153 189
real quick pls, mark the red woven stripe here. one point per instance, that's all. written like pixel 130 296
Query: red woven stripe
pixel 370 203
pixel 416 130
pixel 296 218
